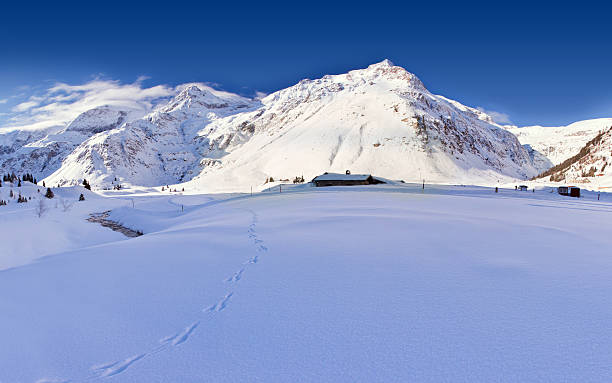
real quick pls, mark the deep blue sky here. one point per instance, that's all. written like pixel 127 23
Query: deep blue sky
pixel 540 63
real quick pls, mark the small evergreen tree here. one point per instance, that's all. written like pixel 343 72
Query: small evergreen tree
pixel 81 197
pixel 11 194
pixel 49 193
pixel 44 184
pixel 86 184
pixel 19 184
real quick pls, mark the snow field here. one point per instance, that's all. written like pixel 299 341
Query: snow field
pixel 382 283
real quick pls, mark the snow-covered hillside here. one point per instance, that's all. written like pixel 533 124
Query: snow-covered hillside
pixel 591 166
pixel 26 236
pixel 41 152
pixel 560 142
pixel 364 284
pixel 377 120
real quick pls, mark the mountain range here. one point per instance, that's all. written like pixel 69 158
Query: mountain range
pixel 380 120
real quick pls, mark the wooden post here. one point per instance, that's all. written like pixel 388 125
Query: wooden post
pixel 280 188
pixel 423 184
pixel 496 189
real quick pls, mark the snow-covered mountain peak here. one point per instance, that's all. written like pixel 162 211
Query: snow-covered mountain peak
pixel 386 70
pixel 99 119
pixel 197 96
pixel 385 63
pixel 380 120
pixel 380 77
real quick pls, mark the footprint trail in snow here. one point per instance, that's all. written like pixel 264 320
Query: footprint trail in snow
pixel 108 370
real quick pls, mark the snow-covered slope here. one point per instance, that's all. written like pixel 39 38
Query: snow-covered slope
pixel 321 286
pixel 591 166
pixel 157 149
pixel 560 142
pixel 377 120
pixel 42 152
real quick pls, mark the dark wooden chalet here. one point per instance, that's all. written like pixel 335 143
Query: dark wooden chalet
pixel 348 179
pixel 571 191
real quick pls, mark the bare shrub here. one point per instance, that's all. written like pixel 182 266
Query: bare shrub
pixel 65 204
pixel 41 208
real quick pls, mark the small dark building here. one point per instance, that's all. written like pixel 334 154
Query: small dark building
pixel 571 191
pixel 348 179
pixel 523 187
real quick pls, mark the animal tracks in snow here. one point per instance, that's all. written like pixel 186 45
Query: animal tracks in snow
pixel 253 260
pixel 257 243
pixel 183 336
pixel 236 277
pixel 107 370
pixel 221 305
pixel 118 367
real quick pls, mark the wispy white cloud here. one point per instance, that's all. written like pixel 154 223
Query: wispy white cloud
pixel 499 117
pixel 27 105
pixel 259 95
pixel 62 102
pixel 3 100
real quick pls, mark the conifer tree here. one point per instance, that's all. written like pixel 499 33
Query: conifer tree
pixel 81 197
pixel 49 193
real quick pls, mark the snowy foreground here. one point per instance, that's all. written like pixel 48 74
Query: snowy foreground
pixel 364 284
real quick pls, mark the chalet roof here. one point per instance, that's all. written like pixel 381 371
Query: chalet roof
pixel 341 177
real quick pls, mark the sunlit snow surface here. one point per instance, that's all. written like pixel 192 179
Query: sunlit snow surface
pixel 365 284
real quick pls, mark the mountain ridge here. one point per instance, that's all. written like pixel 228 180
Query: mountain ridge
pixel 380 119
